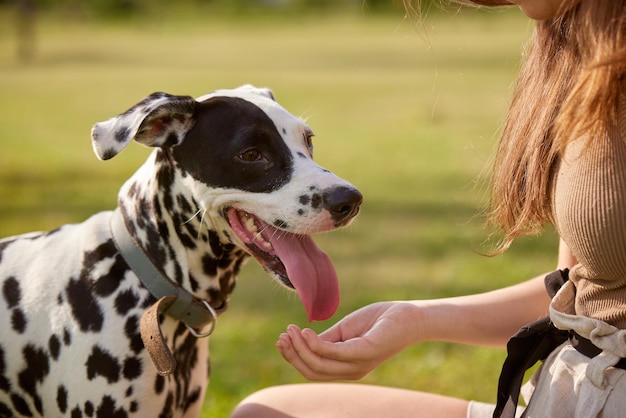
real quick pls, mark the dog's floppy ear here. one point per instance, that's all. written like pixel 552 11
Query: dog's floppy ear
pixel 159 120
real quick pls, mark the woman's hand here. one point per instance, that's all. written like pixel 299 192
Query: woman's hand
pixel 355 345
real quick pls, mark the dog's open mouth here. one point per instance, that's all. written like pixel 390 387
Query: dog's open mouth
pixel 292 258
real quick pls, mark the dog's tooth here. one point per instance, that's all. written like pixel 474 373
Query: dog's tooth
pixel 250 224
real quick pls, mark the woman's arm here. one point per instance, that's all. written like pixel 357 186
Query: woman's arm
pixel 489 318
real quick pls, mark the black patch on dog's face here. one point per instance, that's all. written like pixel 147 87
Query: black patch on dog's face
pixel 234 144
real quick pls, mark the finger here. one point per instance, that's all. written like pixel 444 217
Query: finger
pixel 316 367
pixel 289 353
pixel 353 350
pixel 332 334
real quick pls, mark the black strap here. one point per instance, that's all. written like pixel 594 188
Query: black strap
pixel 531 343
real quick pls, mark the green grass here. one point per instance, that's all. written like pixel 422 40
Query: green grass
pixel 408 114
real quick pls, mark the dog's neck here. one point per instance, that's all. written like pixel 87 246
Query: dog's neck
pixel 166 221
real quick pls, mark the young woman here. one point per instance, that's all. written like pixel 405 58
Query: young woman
pixel 561 159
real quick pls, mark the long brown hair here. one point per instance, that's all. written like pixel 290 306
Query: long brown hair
pixel 569 85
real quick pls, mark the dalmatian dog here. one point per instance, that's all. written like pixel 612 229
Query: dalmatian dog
pixel 106 318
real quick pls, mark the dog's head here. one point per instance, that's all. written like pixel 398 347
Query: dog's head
pixel 248 163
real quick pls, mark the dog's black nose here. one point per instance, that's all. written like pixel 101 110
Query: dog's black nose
pixel 342 202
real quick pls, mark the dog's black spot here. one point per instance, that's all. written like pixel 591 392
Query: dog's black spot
pixel 11 292
pixel 165 179
pixel 304 199
pixel 156 205
pixel 225 128
pixel 183 204
pixel 54 345
pixel 193 283
pixel 215 244
pixel 209 265
pixel 132 368
pixel 37 368
pixel 186 240
pixel 224 261
pixel 67 337
pixel 301 155
pixel 191 234
pixel 168 202
pixel 301 212
pixel 316 200
pixel 214 294
pixel 85 308
pixel 109 153
pixel 148 301
pixel 122 134
pixel 181 329
pixel 20 405
pixel 5 386
pixel 133 407
pixel 164 231
pixel 89 409
pixel 62 398
pixel 76 413
pixel 143 210
pixel 129 391
pixel 60 299
pixel 284 131
pixel 5 411
pixel 131 329
pixel 155 247
pixel 102 363
pixel 109 282
pixel 107 409
pixel 38 404
pixel 18 321
pixel 238 263
pixel 192 397
pixel 125 301
pixel 159 384
pixel 132 190
pixel 178 273
pixel 166 412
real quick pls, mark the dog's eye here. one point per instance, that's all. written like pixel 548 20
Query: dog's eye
pixel 251 155
pixel 308 141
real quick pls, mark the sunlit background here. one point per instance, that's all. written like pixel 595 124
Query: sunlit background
pixel 407 109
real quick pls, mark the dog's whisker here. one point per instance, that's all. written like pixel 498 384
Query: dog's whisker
pixel 202 223
pixel 194 216
pixel 258 234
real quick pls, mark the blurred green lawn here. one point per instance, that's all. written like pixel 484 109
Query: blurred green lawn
pixel 408 113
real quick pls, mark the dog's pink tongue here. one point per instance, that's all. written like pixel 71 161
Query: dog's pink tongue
pixel 311 272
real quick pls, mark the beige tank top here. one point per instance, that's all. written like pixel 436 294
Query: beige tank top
pixel 590 216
